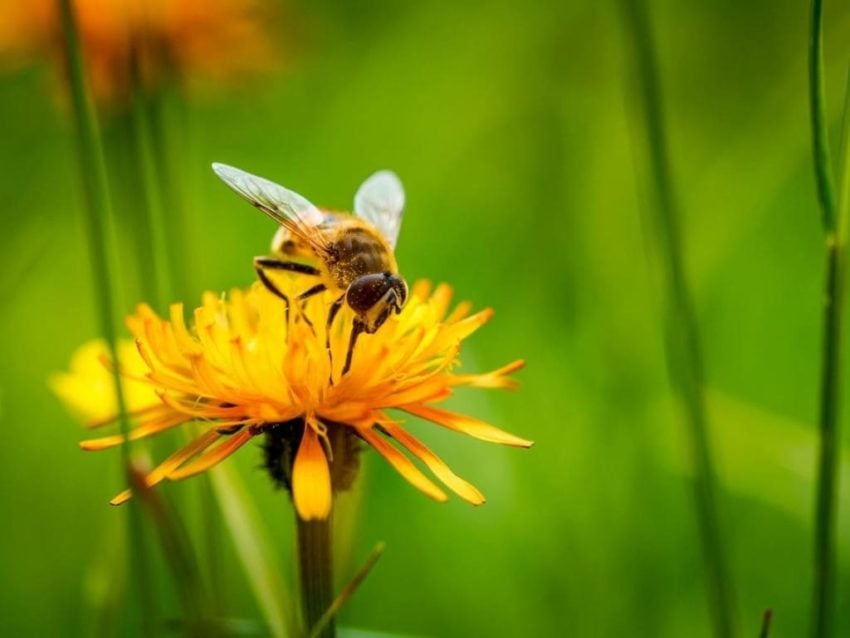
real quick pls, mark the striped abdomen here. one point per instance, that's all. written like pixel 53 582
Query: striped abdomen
pixel 357 250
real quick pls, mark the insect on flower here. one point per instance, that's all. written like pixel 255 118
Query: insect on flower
pixel 351 255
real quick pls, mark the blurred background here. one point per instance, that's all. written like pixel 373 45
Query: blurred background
pixel 511 125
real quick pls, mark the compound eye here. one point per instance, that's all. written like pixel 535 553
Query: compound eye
pixel 366 291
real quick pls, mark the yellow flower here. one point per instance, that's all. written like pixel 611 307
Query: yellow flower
pixel 88 388
pixel 184 39
pixel 242 372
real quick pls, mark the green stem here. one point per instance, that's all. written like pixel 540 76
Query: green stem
pixel 347 591
pixel 824 577
pixel 766 620
pixel 98 216
pixel 836 226
pixel 315 572
pixel 178 246
pixel 684 353
pixel 820 134
pixel 161 268
pixel 172 248
pixel 180 560
pixel 121 148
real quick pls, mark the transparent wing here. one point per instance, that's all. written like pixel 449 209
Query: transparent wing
pixel 281 204
pixel 380 200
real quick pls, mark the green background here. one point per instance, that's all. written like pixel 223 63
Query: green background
pixel 511 125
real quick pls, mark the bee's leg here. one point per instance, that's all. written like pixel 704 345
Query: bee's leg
pixel 335 306
pixel 271 263
pixel 303 316
pixel 315 290
pixel 269 284
pixel 304 296
pixel 356 329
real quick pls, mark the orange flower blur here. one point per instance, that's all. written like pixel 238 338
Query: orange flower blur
pixel 242 370
pixel 186 40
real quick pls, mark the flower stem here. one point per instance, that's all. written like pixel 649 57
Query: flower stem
pixel 161 268
pixel 98 216
pixel 824 578
pixel 820 135
pixel 166 223
pixel 835 224
pixel 683 348
pixel 315 572
pixel 766 620
pixel 165 141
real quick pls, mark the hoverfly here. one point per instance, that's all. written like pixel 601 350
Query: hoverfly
pixel 353 254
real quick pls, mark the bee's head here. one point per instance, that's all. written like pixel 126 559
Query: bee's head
pixel 373 297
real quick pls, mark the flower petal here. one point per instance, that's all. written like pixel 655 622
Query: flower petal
pixel 171 463
pixel 311 478
pixel 442 471
pixel 402 465
pixel 154 426
pixel 494 379
pixel 467 425
pixel 465 327
pixel 212 457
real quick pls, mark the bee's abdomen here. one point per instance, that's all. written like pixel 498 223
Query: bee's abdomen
pixel 357 252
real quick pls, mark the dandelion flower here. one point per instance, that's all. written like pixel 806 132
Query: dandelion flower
pixel 242 371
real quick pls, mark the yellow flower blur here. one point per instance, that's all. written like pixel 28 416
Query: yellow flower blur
pixel 242 370
pixel 88 387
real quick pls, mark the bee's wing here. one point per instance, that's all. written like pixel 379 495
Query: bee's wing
pixel 380 200
pixel 281 204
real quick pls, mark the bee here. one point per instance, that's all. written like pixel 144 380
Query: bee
pixel 351 255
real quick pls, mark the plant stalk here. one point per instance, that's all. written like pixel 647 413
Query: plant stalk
pixel 820 133
pixel 316 574
pixel 178 245
pixel 824 555
pixel 835 224
pixel 682 341
pixel 98 218
pixel 160 270
pixel 348 591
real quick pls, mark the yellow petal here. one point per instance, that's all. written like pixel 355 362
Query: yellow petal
pixel 442 471
pixel 171 463
pixel 421 289
pixel 154 426
pixel 467 425
pixel 403 465
pixel 460 311
pixel 465 327
pixel 311 478
pixel 212 457
pixel 498 379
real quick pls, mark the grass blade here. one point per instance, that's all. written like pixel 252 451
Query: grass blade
pixel 178 555
pixel 820 134
pixel 348 591
pixel 682 341
pixel 98 220
pixel 253 548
